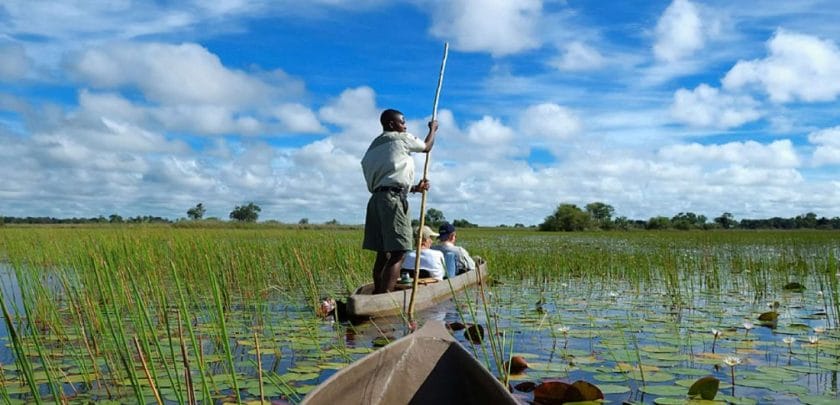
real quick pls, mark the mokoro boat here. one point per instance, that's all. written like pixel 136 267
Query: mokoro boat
pixel 427 367
pixel 364 304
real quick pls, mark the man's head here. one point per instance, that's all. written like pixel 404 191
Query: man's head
pixel 446 232
pixel 392 120
pixel 427 236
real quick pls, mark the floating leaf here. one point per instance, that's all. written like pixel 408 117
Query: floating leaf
pixel 705 387
pixel 663 390
pixel 526 386
pixel 380 341
pixel 818 400
pixel 589 391
pixel 794 287
pixel 474 333
pixel 556 392
pixel 769 316
pixel 517 365
pixel 609 389
pixel 455 326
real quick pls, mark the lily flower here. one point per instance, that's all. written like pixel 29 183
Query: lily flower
pixel 716 333
pixel 748 325
pixel 732 361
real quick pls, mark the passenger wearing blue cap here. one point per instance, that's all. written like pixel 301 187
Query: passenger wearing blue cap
pixel 447 237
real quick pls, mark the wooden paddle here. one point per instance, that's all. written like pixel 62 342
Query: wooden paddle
pixel 423 198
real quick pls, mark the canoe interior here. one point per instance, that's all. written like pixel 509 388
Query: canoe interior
pixel 430 368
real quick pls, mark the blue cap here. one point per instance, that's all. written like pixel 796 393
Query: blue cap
pixel 445 230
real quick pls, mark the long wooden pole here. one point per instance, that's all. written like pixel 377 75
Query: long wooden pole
pixel 423 197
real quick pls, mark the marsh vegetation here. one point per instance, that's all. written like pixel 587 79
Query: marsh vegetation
pixel 148 314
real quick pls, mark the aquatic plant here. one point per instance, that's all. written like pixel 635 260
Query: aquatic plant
pixel 732 361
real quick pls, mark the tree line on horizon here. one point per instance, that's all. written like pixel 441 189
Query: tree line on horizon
pixel 599 216
pixel 566 217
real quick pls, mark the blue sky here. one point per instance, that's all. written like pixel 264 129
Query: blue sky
pixel 654 107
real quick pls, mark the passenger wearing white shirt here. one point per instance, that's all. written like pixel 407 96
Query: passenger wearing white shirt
pixel 432 262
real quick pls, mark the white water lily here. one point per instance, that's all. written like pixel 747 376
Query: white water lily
pixel 819 293
pixel 813 339
pixel 716 333
pixel 563 329
pixel 819 330
pixel 732 361
pixel 748 325
pixel 789 340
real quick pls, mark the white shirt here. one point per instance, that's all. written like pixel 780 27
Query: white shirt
pixel 388 161
pixel 430 260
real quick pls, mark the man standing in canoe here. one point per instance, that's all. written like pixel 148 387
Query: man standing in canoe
pixel 389 173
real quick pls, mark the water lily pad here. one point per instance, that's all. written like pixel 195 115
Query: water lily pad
pixel 663 390
pixel 736 400
pixel 684 401
pixel 818 400
pixel 609 389
pixel 705 387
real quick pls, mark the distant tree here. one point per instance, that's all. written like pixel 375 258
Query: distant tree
pixel 518 225
pixel 197 212
pixel 684 221
pixel 331 222
pixel 246 213
pixel 463 223
pixel 303 221
pixel 115 219
pixel 434 217
pixel 808 220
pixel 658 223
pixel 822 223
pixel 601 214
pixel 726 220
pixel 567 217
pixel 622 223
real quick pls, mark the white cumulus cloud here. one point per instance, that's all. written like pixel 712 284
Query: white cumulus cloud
pixel 827 143
pixel 709 107
pixel 169 74
pixel 500 27
pixel 578 56
pixel 549 121
pixel 679 32
pixel 798 67
pixel 298 118
pixel 777 154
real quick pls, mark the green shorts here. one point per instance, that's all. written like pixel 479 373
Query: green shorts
pixel 387 226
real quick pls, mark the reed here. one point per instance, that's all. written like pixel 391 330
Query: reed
pixel 82 295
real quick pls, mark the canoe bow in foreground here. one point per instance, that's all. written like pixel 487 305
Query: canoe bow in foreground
pixel 426 367
pixel 364 304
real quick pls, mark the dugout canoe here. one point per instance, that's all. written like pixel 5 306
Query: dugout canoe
pixel 426 367
pixel 363 304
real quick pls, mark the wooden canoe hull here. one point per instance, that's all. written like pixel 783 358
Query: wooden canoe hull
pixel 364 304
pixel 426 367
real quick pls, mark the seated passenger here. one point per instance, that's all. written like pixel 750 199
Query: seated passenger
pixel 447 237
pixel 432 264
